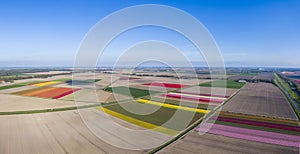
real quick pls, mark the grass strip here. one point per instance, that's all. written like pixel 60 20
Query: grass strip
pixel 48 110
pixel 63 79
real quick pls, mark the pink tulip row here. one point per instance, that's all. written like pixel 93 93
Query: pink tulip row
pixel 254 135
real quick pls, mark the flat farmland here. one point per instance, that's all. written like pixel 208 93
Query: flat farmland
pixel 210 143
pixel 59 132
pixel 263 99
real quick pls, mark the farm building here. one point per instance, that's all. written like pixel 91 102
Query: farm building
pixel 243 81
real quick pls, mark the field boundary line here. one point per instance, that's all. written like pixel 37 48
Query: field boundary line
pixel 48 110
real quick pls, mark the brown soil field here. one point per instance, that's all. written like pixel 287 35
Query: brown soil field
pixel 264 99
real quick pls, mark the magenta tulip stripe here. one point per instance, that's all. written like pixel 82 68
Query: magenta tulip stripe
pixel 202 94
pixel 258 123
pixel 195 97
pixel 254 135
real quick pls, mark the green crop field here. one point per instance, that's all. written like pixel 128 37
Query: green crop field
pixel 130 91
pixel 221 84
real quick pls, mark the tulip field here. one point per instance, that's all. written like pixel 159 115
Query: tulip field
pixel 166 85
pixel 168 103
pixel 47 92
pixel 47 83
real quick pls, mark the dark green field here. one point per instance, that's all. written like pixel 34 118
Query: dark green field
pixel 130 91
pixel 220 84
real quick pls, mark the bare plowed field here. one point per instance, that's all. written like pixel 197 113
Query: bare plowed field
pixel 263 99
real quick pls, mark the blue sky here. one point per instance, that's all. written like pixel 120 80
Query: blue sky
pixel 248 32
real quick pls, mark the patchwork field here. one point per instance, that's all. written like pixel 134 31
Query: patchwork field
pixel 179 100
pixel 31 95
pixel 257 119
